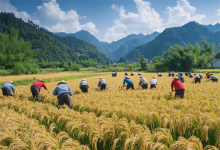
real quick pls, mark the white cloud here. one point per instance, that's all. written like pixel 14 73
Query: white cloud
pixel 182 13
pixel 5 6
pixel 146 21
pixel 56 20
pixel 218 12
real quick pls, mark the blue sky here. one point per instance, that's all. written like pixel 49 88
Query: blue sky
pixel 111 20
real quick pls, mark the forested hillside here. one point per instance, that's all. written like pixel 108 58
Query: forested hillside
pixel 191 32
pixel 53 48
pixel 116 48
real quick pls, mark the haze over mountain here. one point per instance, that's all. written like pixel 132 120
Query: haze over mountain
pixel 213 28
pixel 191 32
pixel 116 48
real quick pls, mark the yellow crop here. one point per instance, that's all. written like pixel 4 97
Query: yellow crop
pixel 132 119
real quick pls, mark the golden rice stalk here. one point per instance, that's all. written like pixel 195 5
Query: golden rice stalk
pixel 71 144
pixel 163 135
pixel 195 143
pixel 159 146
pixel 205 133
pixel 210 147
pixel 18 145
pixel 114 144
pixel 181 144
pixel 62 136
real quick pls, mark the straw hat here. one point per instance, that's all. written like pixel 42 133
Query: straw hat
pixel 101 77
pixel 62 82
pixel 127 77
pixel 141 77
pixel 153 77
pixel 194 73
pixel 176 78
pixel 83 79
pixel 40 80
pixel 11 82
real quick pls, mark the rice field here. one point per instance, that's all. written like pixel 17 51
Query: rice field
pixel 116 118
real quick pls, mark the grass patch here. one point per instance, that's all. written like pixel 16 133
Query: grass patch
pixel 31 81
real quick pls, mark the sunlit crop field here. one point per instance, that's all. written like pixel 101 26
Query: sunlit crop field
pixel 115 118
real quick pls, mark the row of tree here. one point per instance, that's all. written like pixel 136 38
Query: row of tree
pixel 185 59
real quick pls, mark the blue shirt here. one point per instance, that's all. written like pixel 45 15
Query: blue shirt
pixel 8 85
pixel 62 88
pixel 180 77
pixel 127 81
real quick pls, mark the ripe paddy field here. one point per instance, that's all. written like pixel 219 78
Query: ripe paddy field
pixel 112 119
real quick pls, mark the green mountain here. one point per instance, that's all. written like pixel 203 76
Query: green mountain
pixel 53 47
pixel 213 28
pixel 191 32
pixel 116 48
pixel 86 36
pixel 124 49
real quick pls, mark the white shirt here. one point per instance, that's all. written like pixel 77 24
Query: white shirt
pixel 143 81
pixel 153 81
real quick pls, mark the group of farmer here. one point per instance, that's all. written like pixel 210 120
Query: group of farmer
pixel 197 77
pixel 63 91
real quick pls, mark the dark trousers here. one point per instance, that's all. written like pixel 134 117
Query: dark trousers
pixel 214 80
pixel 126 74
pixel 144 86
pixel 182 80
pixel 172 75
pixel 197 80
pixel 132 74
pixel 169 75
pixel 35 92
pixel 84 88
pixel 130 85
pixel 6 92
pixel 180 93
pixel 200 77
pixel 153 86
pixel 186 74
pixel 160 75
pixel 65 98
pixel 103 86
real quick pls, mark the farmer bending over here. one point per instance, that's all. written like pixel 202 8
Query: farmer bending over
pixel 169 74
pixel 196 78
pixel 153 83
pixel 36 87
pixel 139 73
pixel 190 75
pixel 129 83
pixel 186 73
pixel 208 75
pixel 200 74
pixel 6 89
pixel 179 88
pixel 143 82
pixel 102 83
pixel 132 73
pixel 214 78
pixel 126 73
pixel 63 93
pixel 159 74
pixel 181 78
pixel 173 74
pixel 84 86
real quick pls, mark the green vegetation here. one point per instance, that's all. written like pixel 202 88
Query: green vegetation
pixel 53 48
pixel 191 32
pixel 31 81
pixel 15 54
pixel 185 59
